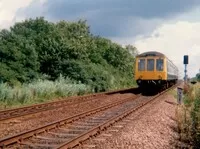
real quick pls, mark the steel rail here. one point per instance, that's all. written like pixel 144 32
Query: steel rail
pixel 37 108
pixel 24 135
pixel 84 136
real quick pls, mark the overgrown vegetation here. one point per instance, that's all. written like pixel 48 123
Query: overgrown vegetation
pixel 189 117
pixel 38 49
pixel 39 91
pixel 198 77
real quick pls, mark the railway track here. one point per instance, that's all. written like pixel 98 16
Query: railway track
pixel 71 131
pixel 37 108
pixel 17 138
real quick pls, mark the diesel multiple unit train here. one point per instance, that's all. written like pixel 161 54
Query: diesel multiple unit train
pixel 154 70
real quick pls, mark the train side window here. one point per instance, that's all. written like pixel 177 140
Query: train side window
pixel 141 64
pixel 150 64
pixel 159 64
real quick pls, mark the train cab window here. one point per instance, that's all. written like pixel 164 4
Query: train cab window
pixel 141 64
pixel 159 64
pixel 150 64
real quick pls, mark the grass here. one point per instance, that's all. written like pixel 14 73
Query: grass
pixel 39 91
pixel 188 116
pixel 173 92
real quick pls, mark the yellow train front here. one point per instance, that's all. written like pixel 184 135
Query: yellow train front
pixel 153 70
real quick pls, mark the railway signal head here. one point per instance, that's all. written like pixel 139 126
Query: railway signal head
pixel 185 59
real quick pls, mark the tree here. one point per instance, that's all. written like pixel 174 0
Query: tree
pixel 132 50
pixel 37 47
pixel 18 58
pixel 198 77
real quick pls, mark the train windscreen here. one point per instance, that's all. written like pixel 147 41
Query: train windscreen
pixel 141 64
pixel 150 64
pixel 159 64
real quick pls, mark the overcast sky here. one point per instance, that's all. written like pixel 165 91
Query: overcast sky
pixel 168 26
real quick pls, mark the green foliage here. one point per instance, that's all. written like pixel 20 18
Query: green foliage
pixel 18 59
pixel 198 77
pixel 36 47
pixel 89 73
pixel 189 122
pixel 132 50
pixel 39 91
pixel 195 115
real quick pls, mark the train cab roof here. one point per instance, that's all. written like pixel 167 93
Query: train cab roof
pixel 154 53
pixel 151 53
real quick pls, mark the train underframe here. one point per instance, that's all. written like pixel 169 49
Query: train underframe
pixel 155 85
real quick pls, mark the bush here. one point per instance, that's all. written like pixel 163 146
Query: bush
pixel 39 91
pixel 37 47
pixel 189 117
pixel 195 115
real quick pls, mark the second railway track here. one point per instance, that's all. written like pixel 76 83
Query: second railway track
pixel 18 137
pixel 71 131
pixel 37 108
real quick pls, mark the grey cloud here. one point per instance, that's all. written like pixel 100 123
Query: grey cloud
pixel 112 18
pixel 142 8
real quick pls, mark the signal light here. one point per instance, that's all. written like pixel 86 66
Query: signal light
pixel 185 59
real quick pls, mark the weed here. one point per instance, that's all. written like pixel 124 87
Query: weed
pixel 188 116
pixel 40 91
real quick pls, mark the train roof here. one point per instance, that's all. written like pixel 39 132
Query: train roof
pixel 154 53
pixel 151 53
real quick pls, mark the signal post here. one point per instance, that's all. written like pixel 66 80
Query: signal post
pixel 185 62
pixel 180 89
